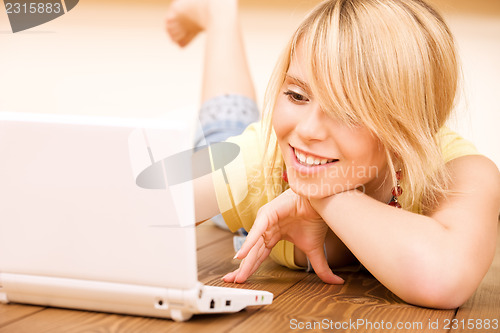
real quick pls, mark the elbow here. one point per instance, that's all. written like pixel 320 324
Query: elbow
pixel 437 283
pixel 434 285
pixel 436 294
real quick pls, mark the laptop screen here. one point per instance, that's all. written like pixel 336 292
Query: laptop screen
pixel 71 206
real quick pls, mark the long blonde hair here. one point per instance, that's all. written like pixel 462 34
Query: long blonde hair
pixel 389 65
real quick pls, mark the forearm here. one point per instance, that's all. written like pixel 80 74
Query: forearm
pixel 412 255
pixel 205 200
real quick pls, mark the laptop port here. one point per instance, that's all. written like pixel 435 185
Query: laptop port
pixel 212 304
pixel 161 304
pixel 228 303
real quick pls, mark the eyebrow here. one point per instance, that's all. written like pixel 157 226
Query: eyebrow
pixel 298 81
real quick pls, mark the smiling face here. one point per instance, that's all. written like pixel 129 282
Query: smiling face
pixel 388 67
pixel 323 155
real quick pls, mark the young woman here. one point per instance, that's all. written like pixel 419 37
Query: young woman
pixel 353 130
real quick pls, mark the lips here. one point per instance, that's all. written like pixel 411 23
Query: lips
pixel 311 160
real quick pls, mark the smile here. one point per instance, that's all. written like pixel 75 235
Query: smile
pixel 309 160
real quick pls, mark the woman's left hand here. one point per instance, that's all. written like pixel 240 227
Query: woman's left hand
pixel 292 218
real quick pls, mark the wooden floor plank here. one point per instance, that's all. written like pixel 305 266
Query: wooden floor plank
pixel 208 233
pixel 213 261
pixel 362 298
pixel 67 321
pixel 299 296
pixel 13 312
pixel 481 313
pixel 58 320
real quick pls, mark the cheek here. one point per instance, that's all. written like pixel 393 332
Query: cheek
pixel 281 120
pixel 366 157
pixel 374 154
pixel 359 146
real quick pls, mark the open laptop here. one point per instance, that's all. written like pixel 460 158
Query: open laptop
pixel 91 219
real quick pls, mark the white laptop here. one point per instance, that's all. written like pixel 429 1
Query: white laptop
pixel 89 220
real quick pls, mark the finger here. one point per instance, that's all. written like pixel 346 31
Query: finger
pixel 257 231
pixel 246 265
pixel 244 275
pixel 272 238
pixel 321 268
pixel 249 262
pixel 262 257
pixel 268 216
pixel 231 276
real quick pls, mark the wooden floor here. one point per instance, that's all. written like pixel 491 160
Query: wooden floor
pixel 300 300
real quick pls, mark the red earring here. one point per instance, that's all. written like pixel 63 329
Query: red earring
pixel 396 191
pixel 285 176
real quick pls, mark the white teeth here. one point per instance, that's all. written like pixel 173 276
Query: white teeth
pixel 309 160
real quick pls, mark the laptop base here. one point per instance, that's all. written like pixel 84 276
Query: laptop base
pixel 177 304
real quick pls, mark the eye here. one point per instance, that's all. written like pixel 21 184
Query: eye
pixel 295 97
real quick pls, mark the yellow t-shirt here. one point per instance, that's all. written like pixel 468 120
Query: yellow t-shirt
pixel 241 189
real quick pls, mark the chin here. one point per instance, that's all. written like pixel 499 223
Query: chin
pixel 320 190
pixel 312 191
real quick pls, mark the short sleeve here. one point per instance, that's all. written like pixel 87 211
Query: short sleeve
pixel 283 253
pixel 240 187
pixel 454 146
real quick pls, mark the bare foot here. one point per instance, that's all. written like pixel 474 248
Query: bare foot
pixel 185 19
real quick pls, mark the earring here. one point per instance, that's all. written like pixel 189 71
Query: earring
pixel 285 176
pixel 396 191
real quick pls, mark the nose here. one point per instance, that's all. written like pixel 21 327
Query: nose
pixel 313 126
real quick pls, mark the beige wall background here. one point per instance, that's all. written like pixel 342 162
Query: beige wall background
pixel 113 58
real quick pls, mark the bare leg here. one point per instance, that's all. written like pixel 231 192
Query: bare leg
pixel 226 72
pixel 225 69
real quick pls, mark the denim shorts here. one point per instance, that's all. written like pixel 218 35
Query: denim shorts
pixel 224 116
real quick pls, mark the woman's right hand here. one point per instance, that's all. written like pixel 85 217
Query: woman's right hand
pixel 292 218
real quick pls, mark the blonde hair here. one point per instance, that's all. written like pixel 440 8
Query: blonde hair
pixel 388 65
